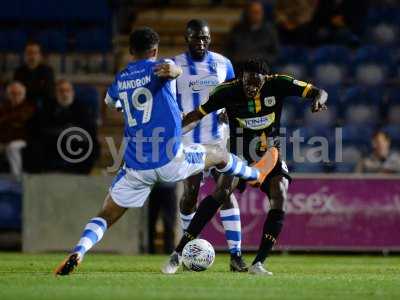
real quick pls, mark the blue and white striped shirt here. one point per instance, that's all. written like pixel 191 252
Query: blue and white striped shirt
pixel 193 88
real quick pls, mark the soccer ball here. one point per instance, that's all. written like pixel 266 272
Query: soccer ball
pixel 198 255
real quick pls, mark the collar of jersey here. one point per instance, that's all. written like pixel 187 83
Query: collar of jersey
pixel 198 60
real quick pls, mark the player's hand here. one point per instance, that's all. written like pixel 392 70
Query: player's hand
pixel 167 70
pixel 223 118
pixel 319 103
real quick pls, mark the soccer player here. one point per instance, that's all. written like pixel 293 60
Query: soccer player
pixel 202 71
pixel 254 105
pixel 154 152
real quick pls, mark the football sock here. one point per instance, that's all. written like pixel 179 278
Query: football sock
pixel 239 168
pixel 231 222
pixel 272 227
pixel 92 234
pixel 186 219
pixel 206 210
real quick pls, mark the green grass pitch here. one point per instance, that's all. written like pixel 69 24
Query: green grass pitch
pixel 26 277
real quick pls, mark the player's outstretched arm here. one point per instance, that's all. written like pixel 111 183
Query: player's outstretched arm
pixel 191 120
pixel 168 70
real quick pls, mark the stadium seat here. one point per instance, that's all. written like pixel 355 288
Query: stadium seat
pixel 298 55
pixel 334 94
pixel 52 40
pixel 308 167
pixel 294 69
pixel 288 117
pixel 359 136
pixel 392 106
pixel 362 114
pixel 332 54
pixel 362 105
pixel 13 40
pixel 383 34
pixel 330 64
pixel 351 154
pixel 93 40
pixel 345 167
pixel 372 65
pixel 56 61
pixel 12 61
pixel 329 74
pixel 322 119
pixel 294 61
pixel 371 74
pixel 379 14
pixel 11 10
pixel 362 95
pixel 394 132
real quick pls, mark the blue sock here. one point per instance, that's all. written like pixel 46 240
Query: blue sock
pixel 92 234
pixel 233 233
pixel 237 167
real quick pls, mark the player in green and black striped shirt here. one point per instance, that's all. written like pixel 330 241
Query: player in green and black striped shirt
pixel 253 104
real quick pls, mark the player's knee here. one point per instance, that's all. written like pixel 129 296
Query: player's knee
pixel 220 156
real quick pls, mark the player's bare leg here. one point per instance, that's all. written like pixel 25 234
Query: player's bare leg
pixel 188 200
pixel 93 232
pixel 277 193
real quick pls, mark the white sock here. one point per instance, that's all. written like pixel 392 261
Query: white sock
pixel 185 220
pixel 233 230
pixel 92 234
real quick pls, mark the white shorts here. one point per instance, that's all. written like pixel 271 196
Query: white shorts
pixel 131 188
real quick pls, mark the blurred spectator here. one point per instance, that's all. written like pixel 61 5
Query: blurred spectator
pixel 162 200
pixel 293 19
pixel 311 22
pixel 15 112
pixel 43 150
pixel 35 75
pixel 252 37
pixel 382 159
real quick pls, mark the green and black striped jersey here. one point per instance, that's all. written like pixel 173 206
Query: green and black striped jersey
pixel 257 118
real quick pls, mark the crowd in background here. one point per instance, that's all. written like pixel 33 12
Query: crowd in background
pixel 34 110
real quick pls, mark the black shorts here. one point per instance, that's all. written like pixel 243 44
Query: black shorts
pixel 279 169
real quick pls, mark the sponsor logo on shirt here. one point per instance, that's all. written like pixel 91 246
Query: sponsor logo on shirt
pixel 204 82
pixel 257 123
pixel 269 101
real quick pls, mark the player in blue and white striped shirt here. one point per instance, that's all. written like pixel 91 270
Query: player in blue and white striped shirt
pixel 202 71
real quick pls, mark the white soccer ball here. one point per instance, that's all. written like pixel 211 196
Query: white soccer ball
pixel 198 255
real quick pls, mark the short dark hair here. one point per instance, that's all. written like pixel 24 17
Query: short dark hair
pixel 256 65
pixel 381 132
pixel 196 24
pixel 143 39
pixel 33 43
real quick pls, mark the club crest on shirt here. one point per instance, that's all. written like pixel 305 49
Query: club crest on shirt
pixel 269 101
pixel 213 67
